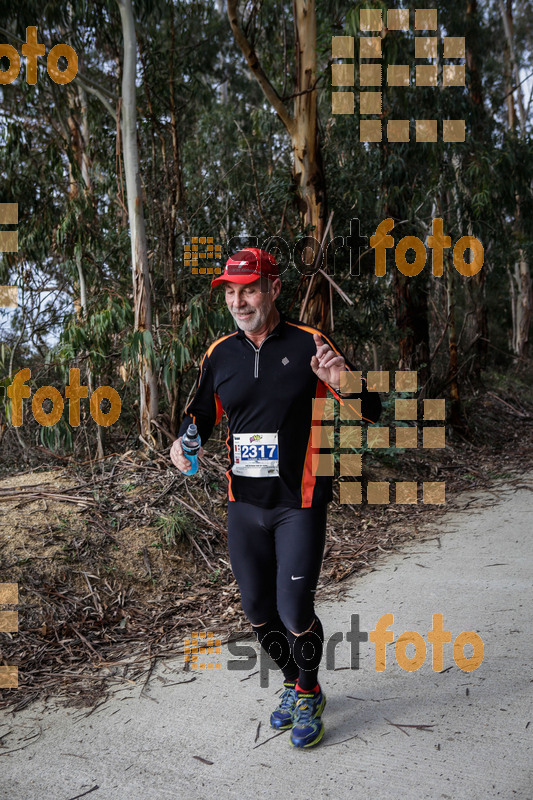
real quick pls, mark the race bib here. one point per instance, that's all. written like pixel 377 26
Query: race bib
pixel 255 455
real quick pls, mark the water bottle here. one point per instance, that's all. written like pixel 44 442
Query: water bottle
pixel 190 444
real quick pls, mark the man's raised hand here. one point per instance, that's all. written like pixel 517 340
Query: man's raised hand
pixel 327 364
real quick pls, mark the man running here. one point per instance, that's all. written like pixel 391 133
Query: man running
pixel 265 377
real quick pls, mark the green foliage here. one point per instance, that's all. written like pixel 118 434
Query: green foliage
pixel 174 527
pixel 216 161
pixel 58 437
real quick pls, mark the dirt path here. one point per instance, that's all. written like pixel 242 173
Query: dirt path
pixel 424 733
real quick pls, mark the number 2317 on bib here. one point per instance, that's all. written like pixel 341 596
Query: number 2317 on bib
pixel 255 455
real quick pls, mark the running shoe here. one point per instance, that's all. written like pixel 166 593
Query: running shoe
pixel 281 717
pixel 307 727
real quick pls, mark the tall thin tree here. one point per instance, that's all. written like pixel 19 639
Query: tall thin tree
pixel 142 300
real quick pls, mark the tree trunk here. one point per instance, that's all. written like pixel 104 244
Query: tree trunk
pixel 142 301
pixel 308 169
pixel 79 131
pixel 523 320
pixel 223 87
pixel 410 305
pixel 410 312
pixel 520 273
pixel 453 368
pixel 476 284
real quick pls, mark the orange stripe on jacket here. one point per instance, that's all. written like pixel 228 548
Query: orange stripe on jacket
pixel 206 355
pixel 218 341
pixel 319 333
pixel 220 410
pixel 308 479
pixel 228 471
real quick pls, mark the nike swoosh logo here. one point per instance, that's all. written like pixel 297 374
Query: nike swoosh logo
pixel 299 578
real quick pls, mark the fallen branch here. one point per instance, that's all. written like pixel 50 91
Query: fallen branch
pixel 403 725
pixel 92 789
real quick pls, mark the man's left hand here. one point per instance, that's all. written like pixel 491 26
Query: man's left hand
pixel 327 364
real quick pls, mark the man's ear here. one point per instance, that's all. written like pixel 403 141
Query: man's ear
pixel 276 288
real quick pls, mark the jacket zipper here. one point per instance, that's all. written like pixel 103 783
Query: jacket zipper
pixel 257 350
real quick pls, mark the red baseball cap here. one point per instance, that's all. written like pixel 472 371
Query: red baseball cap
pixel 246 266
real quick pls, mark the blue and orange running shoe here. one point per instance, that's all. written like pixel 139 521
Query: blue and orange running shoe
pixel 281 717
pixel 308 728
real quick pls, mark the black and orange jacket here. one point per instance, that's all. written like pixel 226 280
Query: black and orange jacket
pixel 263 390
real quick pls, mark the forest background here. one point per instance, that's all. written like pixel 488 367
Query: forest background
pixel 213 119
pixel 223 155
